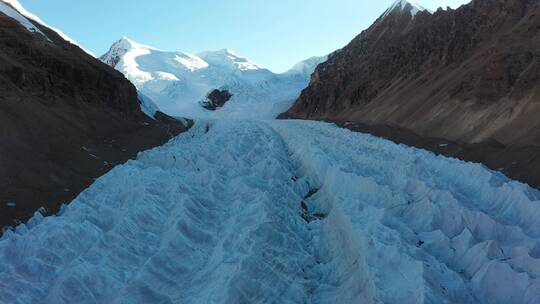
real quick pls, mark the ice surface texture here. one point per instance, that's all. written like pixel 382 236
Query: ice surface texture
pixel 282 212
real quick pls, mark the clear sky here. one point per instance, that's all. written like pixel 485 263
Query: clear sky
pixel 272 33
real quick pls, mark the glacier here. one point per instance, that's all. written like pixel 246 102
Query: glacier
pixel 241 209
pixel 178 81
pixel 262 211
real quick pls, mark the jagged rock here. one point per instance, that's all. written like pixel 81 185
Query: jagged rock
pixel 216 99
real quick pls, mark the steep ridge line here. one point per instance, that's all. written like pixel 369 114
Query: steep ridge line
pixel 178 82
pixel 468 76
pixel 65 119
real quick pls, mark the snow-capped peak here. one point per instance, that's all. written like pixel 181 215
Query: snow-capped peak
pixel 122 56
pixel 176 81
pixel 125 42
pixel 228 58
pixel 126 50
pixel 120 48
pixel 117 51
pixel 409 6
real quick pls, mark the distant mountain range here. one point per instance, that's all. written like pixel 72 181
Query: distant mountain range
pixel 178 81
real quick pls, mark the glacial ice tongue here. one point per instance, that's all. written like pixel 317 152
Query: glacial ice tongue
pixel 282 212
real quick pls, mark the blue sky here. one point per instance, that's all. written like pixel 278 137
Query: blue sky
pixel 273 33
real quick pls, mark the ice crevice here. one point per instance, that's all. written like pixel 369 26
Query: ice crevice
pixel 429 229
pixel 237 211
pixel 205 218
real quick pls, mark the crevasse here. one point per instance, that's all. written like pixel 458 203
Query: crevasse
pixel 282 212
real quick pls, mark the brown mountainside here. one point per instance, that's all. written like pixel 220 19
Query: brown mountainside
pixel 65 119
pixel 470 76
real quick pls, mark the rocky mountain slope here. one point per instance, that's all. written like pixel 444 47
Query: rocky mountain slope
pixel 179 81
pixel 470 75
pixel 65 118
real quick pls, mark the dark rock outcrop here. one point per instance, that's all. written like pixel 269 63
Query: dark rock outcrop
pixel 65 119
pixel 216 99
pixel 470 75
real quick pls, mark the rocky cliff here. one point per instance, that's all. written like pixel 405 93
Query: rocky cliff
pixel 65 119
pixel 470 75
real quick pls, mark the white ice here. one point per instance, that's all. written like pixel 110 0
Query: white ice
pixel 178 81
pixel 237 211
pixel 253 211
pixel 148 106
pixel 410 6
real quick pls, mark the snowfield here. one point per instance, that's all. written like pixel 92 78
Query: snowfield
pixel 178 81
pixel 282 212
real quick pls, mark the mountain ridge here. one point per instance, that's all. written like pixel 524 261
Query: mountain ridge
pixel 177 81
pixel 66 119
pixel 20 8
pixel 469 75
pixel 409 6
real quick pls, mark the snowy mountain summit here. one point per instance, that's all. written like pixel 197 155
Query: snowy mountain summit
pixel 178 81
pixel 405 6
pixel 229 59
